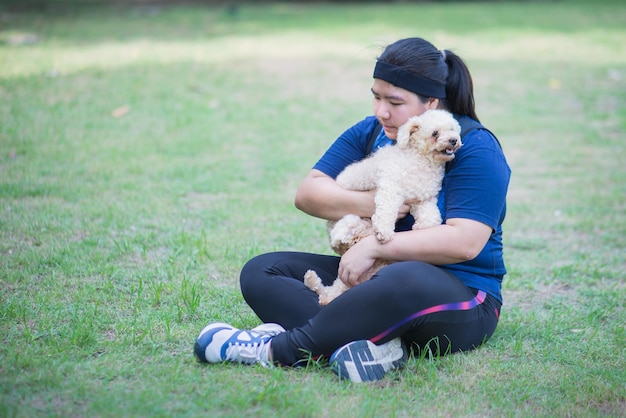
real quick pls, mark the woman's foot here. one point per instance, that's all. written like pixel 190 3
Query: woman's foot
pixel 364 361
pixel 219 342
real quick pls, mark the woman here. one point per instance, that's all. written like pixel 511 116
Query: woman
pixel 441 294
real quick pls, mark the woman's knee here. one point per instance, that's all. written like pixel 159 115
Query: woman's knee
pixel 254 269
pixel 265 266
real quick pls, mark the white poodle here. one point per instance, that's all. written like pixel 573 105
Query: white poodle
pixel 410 172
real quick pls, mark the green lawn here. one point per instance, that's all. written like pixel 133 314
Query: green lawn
pixel 147 152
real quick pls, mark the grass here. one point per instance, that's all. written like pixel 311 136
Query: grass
pixel 147 152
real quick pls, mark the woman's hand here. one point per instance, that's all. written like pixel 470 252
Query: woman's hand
pixel 356 263
pixel 403 211
pixel 456 241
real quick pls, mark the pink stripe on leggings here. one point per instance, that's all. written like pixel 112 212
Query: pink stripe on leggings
pixel 454 306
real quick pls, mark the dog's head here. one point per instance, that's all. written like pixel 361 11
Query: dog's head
pixel 434 133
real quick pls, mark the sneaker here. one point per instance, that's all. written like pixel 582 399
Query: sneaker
pixel 220 342
pixel 364 361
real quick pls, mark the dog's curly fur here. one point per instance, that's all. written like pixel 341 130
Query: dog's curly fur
pixel 409 172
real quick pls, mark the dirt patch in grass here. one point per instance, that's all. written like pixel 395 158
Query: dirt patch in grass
pixel 529 299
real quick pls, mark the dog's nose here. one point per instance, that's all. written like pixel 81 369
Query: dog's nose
pixel 453 141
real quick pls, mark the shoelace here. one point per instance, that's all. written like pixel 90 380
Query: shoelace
pixel 248 352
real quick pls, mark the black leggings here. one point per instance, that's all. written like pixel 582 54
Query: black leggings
pixel 427 306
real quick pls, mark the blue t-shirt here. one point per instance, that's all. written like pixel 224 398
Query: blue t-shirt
pixel 474 187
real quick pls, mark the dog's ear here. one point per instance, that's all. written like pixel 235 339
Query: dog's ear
pixel 414 128
pixel 407 130
pixel 414 132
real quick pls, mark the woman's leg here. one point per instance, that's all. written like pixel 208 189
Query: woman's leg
pixel 363 328
pixel 273 286
pixel 425 305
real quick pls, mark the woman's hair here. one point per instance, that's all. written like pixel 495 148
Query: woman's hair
pixel 419 57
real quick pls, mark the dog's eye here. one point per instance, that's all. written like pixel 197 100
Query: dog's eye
pixel 435 133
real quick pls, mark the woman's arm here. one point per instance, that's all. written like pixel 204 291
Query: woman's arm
pixel 319 195
pixel 455 241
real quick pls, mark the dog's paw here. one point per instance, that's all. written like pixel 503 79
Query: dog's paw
pixel 313 281
pixel 384 236
pixel 428 221
pixel 324 299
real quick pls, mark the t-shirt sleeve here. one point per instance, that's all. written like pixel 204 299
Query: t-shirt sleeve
pixel 476 183
pixel 350 147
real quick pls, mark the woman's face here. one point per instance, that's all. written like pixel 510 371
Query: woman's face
pixel 393 106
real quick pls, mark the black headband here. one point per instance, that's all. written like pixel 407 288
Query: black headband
pixel 411 82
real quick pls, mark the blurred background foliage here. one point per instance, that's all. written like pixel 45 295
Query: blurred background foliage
pixel 53 6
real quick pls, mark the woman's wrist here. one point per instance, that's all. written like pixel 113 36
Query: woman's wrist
pixel 375 249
